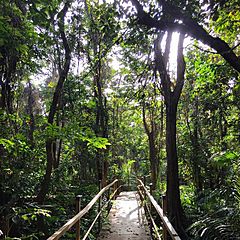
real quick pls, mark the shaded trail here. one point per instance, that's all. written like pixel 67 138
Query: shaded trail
pixel 126 219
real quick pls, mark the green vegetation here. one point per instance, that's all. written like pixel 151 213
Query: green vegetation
pixel 90 90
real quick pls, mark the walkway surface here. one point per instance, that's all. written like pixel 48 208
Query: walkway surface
pixel 126 219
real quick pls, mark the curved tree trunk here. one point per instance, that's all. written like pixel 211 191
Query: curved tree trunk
pixel 62 77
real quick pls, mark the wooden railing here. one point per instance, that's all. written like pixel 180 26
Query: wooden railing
pixel 76 219
pixel 166 224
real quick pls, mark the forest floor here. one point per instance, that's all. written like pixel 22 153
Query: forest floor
pixel 126 219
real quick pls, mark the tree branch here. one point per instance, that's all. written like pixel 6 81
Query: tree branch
pixel 63 70
pixel 189 26
pixel 144 119
pixel 180 70
pixel 161 68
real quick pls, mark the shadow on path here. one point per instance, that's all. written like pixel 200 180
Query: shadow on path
pixel 126 220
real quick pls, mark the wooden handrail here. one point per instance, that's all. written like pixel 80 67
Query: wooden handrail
pixel 94 221
pixel 151 217
pixel 77 217
pixel 167 224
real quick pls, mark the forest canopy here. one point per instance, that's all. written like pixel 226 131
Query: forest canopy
pixel 97 90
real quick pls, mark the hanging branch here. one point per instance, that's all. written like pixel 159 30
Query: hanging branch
pixel 188 26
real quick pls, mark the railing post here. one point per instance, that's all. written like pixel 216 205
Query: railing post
pixel 78 208
pixel 164 207
pixel 109 203
pixel 150 208
pixel 151 188
pixel 118 185
pixel 99 207
pixel 144 183
pixel 144 180
pixel 113 190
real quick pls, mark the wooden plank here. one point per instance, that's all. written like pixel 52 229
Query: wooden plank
pixel 164 218
pixel 77 217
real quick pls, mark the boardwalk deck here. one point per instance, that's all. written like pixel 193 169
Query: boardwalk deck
pixel 126 220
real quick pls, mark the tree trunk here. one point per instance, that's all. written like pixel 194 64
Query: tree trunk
pixel 153 161
pixel 53 108
pixel 47 176
pixel 30 112
pixel 174 209
pixel 195 161
pixel 171 98
pixel 152 132
pixel 195 152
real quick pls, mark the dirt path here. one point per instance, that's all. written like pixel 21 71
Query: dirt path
pixel 126 220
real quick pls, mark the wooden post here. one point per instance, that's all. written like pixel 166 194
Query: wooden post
pixel 151 188
pixel 115 186
pixel 99 208
pixel 144 182
pixel 108 198
pixel 78 208
pixel 164 207
pixel 113 190
pixel 118 185
pixel 150 208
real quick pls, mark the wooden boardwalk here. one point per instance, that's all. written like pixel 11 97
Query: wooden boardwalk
pixel 126 220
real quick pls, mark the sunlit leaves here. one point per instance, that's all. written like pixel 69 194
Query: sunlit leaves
pixel 6 143
pixel 30 213
pixel 98 142
pixel 16 145
pixel 75 134
pixel 224 158
pixel 127 168
pixel 227 21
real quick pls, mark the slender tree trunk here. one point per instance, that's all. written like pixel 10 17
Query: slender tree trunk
pixel 62 77
pixel 152 132
pixel 195 152
pixel 101 112
pixel 47 176
pixel 153 161
pixel 195 161
pixel 32 120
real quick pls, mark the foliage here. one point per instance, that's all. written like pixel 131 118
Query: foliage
pixel 110 47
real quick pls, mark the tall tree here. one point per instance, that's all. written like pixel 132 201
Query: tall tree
pixel 63 72
pixel 171 95
pixel 102 35
pixel 151 110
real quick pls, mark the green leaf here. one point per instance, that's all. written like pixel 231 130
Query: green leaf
pixel 7 144
pixel 224 158
pixel 98 142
